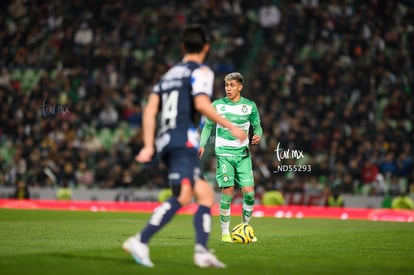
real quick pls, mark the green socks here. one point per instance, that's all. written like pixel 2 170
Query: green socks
pixel 225 211
pixel 248 205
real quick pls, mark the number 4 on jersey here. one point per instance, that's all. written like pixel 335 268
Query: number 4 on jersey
pixel 169 111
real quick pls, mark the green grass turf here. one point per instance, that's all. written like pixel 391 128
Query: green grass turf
pixel 65 242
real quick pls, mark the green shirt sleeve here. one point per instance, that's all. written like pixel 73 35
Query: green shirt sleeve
pixel 255 121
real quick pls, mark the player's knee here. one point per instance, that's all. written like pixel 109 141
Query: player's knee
pixel 206 199
pixel 185 198
pixel 204 193
pixel 228 190
pixel 183 194
pixel 208 202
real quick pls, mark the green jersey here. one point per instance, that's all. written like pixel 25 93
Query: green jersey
pixel 243 114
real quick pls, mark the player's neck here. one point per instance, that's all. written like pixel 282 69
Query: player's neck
pixel 235 99
pixel 194 57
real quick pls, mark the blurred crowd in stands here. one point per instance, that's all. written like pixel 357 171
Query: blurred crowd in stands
pixel 332 80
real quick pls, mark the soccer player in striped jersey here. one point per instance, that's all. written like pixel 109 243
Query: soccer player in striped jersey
pixel 182 93
pixel 234 163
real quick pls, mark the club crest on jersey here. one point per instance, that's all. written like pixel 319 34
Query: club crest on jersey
pixel 244 108
pixel 223 108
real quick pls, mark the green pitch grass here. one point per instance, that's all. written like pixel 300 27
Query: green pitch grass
pixel 64 242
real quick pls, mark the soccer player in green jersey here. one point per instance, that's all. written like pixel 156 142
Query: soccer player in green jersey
pixel 234 163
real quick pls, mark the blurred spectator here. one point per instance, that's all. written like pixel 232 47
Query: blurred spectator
pixel 387 201
pixel 126 179
pixel 17 9
pixel 313 187
pixel 388 166
pixel 22 191
pixel 102 173
pixel 335 199
pixel 369 172
pixel 335 76
pixel 5 80
pixel 402 201
pixel 269 19
pixel 68 175
pixel 273 198
pixel 64 193
pixel 84 176
pixel 269 15
pixel 83 35
pixel 92 143
pixel 108 117
pixel 396 186
pixel 404 162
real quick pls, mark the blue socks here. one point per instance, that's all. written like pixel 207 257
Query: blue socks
pixel 167 210
pixel 202 225
pixel 159 218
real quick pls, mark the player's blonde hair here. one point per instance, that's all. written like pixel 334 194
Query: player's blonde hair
pixel 234 76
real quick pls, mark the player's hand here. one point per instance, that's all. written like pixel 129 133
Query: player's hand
pixel 238 133
pixel 145 155
pixel 255 139
pixel 200 152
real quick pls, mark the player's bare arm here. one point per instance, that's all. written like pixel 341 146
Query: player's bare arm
pixel 149 123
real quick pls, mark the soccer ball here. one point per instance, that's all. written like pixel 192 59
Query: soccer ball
pixel 242 233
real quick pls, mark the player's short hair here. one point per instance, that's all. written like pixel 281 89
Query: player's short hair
pixel 194 37
pixel 234 76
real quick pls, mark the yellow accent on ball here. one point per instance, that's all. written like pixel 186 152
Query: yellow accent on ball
pixel 242 233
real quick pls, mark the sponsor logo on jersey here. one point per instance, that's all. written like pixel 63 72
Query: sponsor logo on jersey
pixel 174 176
